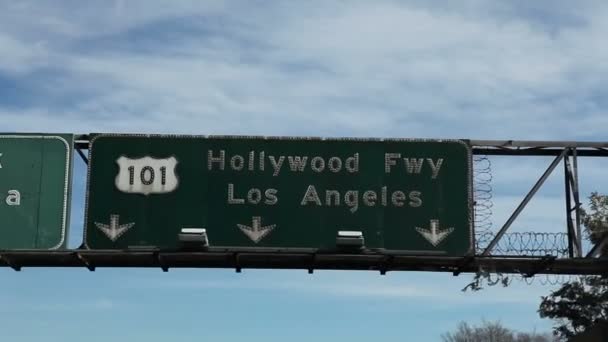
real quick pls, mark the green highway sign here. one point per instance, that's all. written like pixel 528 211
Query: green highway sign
pixel 35 178
pixel 411 196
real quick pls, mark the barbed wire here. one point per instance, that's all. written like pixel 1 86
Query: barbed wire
pixel 514 243
pixel 526 244
pixel 482 195
pixel 485 278
pixel 546 279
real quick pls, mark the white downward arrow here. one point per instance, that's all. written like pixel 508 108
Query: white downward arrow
pixel 114 230
pixel 256 232
pixel 434 235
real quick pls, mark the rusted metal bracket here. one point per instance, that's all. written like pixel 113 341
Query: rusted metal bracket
pixel 385 266
pixel 85 262
pixel 161 262
pixel 313 260
pixel 10 264
pixel 237 263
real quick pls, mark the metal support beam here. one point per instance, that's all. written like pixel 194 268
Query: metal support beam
pixel 290 260
pixel 493 147
pixel 492 151
pixel 572 195
pixel 546 261
pixel 81 141
pixel 539 144
pixel 538 148
pixel 523 204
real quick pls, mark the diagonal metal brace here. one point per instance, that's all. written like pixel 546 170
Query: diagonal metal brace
pixel 83 156
pixel 525 202
pixel 596 251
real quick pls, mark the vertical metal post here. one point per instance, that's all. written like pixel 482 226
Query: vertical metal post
pixel 573 204
pixel 569 208
pixel 578 204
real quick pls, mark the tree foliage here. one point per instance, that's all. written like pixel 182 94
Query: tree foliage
pixel 596 219
pixel 579 305
pixel 492 332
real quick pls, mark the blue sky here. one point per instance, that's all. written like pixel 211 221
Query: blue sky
pixel 418 69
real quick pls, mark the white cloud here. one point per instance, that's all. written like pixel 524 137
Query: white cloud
pixel 347 69
pixel 20 304
pixel 478 70
pixel 19 57
pixel 67 20
pixel 432 289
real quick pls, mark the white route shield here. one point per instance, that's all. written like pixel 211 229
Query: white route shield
pixel 146 175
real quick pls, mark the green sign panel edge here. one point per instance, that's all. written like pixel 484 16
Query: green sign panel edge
pixel 464 143
pixel 65 219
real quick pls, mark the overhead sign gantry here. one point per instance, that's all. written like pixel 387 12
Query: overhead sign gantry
pixel 290 203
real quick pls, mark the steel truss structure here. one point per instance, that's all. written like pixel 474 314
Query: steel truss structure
pixel 577 261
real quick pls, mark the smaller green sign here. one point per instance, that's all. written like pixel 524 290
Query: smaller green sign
pixel 35 179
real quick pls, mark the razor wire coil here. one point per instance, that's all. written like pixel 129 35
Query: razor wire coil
pixel 513 243
pixel 526 244
pixel 482 196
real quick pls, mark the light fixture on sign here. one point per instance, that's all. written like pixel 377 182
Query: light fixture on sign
pixel 193 238
pixel 350 238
